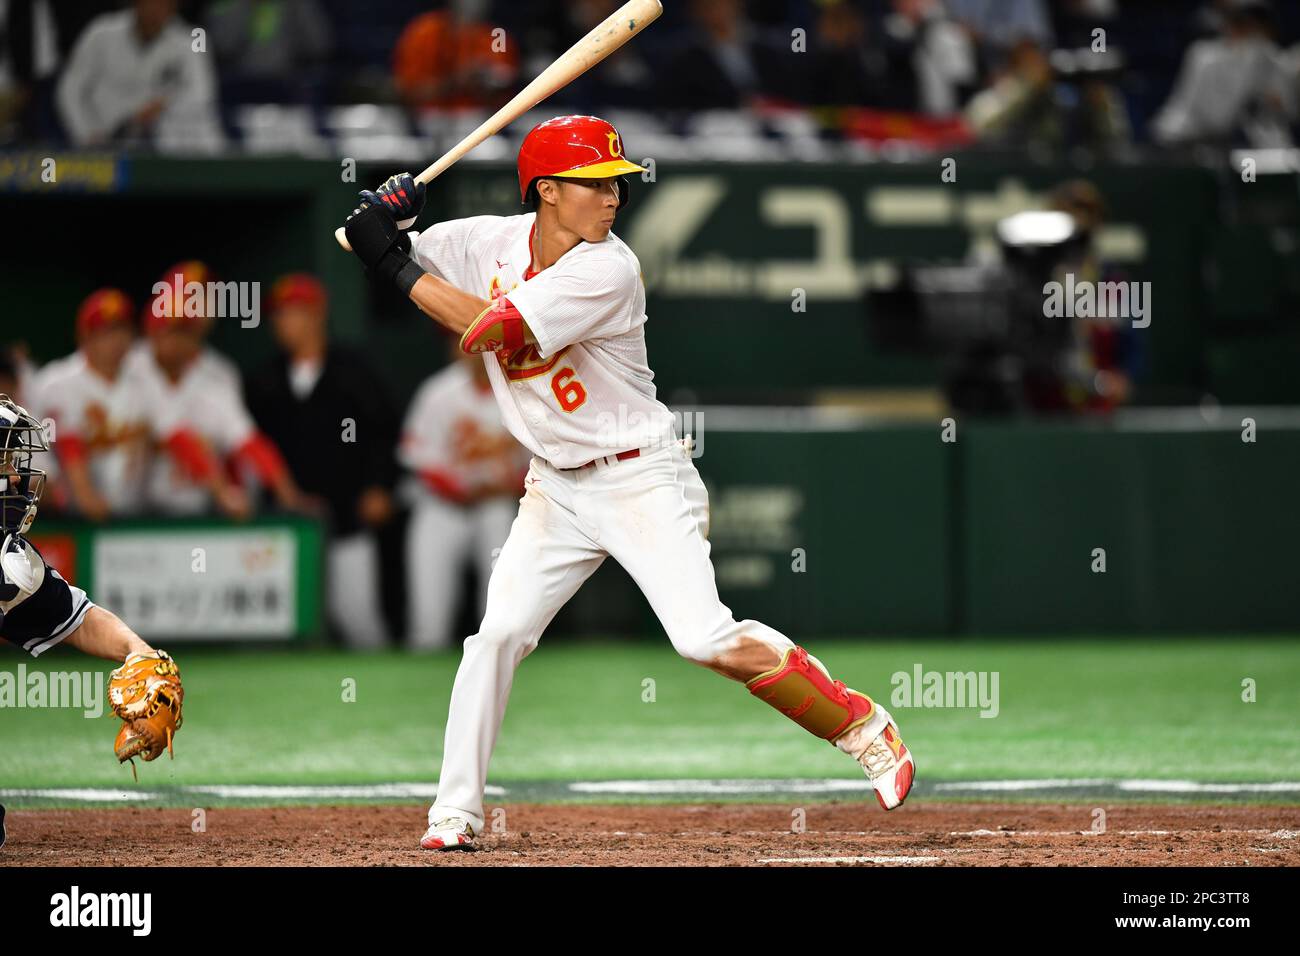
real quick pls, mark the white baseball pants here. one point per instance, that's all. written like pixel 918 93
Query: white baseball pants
pixel 651 514
pixel 440 536
pixel 353 600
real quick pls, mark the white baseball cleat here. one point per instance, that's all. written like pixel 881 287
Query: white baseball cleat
pixel 887 763
pixel 449 833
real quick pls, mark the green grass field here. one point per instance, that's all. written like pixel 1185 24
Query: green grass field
pixel 1114 708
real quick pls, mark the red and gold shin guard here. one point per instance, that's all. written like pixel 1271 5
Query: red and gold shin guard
pixel 800 688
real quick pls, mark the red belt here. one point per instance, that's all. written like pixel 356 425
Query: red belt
pixel 621 456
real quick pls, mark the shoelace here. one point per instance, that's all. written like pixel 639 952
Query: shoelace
pixel 450 823
pixel 877 758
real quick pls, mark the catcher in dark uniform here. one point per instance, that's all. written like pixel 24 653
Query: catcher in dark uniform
pixel 39 609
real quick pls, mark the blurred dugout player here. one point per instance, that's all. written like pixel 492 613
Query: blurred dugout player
pixel 100 433
pixel 326 410
pixel 471 472
pixel 197 418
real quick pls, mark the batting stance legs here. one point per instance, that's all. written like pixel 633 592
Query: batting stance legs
pixel 651 514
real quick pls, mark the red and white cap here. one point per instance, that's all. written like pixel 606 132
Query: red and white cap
pixel 101 309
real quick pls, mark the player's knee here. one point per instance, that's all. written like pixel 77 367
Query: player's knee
pixel 701 645
pixel 738 657
pixel 501 635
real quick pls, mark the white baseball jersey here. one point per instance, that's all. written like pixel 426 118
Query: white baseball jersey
pixel 454 428
pixel 585 390
pixel 107 417
pixel 207 400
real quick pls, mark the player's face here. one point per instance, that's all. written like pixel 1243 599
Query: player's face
pixel 152 15
pixel 15 489
pixel 174 347
pixel 108 347
pixel 587 207
pixel 297 326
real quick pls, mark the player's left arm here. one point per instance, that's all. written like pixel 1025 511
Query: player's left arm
pixel 447 305
pixel 103 634
pixel 590 296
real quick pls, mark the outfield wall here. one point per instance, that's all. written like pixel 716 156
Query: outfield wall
pixel 824 525
pixel 1007 528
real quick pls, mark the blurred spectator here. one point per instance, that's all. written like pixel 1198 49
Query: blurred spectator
pixel 269 50
pixel 1020 106
pixel 625 78
pixel 997 26
pixel 842 70
pixel 1236 85
pixel 444 60
pixel 134 79
pixel 197 416
pixel 927 46
pixel 101 432
pixel 327 411
pixel 723 64
pixel 36 36
pixel 469 474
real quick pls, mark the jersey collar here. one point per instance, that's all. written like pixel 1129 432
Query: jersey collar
pixel 521 255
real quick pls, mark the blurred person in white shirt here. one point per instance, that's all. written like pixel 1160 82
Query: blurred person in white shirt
pixel 100 433
pixel 468 476
pixel 139 77
pixel 1236 85
pixel 198 421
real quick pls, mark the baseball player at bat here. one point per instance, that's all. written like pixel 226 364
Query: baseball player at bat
pixel 554 303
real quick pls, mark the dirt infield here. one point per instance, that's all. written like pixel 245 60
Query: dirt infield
pixel 666 835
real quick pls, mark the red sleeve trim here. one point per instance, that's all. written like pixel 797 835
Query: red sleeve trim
pixel 192 454
pixel 71 449
pixel 444 485
pixel 260 452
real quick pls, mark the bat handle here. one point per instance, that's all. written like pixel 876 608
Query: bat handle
pixel 342 237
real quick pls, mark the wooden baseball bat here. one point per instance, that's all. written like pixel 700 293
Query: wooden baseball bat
pixel 619 27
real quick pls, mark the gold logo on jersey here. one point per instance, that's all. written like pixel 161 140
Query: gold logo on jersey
pixel 527 362
pixel 524 362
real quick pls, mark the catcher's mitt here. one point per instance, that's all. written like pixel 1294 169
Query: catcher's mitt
pixel 146 693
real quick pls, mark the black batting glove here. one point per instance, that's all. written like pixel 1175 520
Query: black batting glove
pixel 401 195
pixel 384 249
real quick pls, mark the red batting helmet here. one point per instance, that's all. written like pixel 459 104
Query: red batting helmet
pixel 573 147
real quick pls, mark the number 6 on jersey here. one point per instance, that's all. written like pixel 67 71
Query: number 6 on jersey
pixel 568 390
